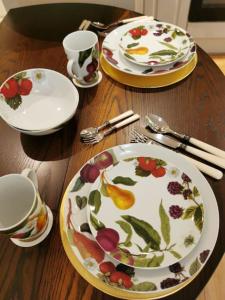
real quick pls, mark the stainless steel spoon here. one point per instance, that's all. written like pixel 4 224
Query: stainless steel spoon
pixel 158 124
pixel 101 26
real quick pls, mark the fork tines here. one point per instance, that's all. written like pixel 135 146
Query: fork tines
pixel 137 137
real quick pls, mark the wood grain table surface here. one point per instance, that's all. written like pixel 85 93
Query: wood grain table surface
pixel 32 37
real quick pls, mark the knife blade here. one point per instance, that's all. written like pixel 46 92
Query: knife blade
pixel 172 143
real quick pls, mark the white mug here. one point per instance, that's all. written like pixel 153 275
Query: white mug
pixel 23 215
pixel 82 50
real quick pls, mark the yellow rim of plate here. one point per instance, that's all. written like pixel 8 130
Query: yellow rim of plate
pixel 149 81
pixel 97 282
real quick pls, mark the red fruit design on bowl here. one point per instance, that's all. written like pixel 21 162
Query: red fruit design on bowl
pixel 10 88
pixel 159 172
pixel 25 86
pixel 14 88
pixel 108 238
pixel 103 160
pixel 121 279
pixel 89 173
pixel 147 164
pixel 137 32
pixel 107 268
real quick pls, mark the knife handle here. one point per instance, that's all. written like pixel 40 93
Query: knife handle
pixel 206 156
pixel 207 147
pixel 214 173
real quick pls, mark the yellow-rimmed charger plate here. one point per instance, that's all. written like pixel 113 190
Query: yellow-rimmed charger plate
pixel 149 81
pixel 192 264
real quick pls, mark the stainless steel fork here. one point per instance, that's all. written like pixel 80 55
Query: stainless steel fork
pixel 100 136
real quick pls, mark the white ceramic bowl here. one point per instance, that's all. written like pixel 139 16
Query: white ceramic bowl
pixel 38 101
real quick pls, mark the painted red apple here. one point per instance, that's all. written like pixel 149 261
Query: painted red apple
pixel 103 160
pixel 10 88
pixel 25 86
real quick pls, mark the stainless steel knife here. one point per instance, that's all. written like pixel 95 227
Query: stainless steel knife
pixel 172 143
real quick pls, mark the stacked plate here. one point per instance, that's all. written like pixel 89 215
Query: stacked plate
pixel 138 221
pixel 148 54
pixel 38 101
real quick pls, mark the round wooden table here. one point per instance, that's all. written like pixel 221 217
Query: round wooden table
pixel 32 37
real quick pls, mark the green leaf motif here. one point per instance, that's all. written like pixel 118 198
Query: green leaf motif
pixel 145 231
pixel 175 254
pixel 160 163
pixel 168 45
pixel 195 192
pixel 189 212
pixel 198 217
pixel 21 75
pixel 129 159
pixel 128 230
pixel 179 32
pixel 129 56
pixel 124 180
pixel 141 172
pixel 144 286
pixel 164 52
pixel 165 224
pixel 94 200
pixel 96 223
pixel 132 45
pixel 156 261
pixel 103 189
pixel 194 267
pixel 174 35
pixel 83 55
pixel 14 102
pixel 189 240
pixel 81 202
pixel 78 185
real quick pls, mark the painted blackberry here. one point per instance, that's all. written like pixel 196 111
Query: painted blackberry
pixel 174 188
pixel 176 268
pixel 169 282
pixel 204 255
pixel 125 269
pixel 185 178
pixel 187 193
pixel 175 211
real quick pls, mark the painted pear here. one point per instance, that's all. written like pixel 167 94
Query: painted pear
pixel 138 51
pixel 123 199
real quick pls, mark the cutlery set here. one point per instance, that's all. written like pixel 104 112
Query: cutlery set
pixel 93 135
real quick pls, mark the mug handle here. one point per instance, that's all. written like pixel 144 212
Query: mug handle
pixel 29 173
pixel 69 68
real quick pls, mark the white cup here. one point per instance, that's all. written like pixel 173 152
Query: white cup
pixel 23 215
pixel 82 50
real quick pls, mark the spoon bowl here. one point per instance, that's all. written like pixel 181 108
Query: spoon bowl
pixel 157 124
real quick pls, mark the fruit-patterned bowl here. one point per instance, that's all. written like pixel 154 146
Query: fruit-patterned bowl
pixel 38 101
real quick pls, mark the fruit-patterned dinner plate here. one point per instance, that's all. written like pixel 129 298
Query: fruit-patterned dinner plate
pixel 103 271
pixel 154 43
pixel 113 55
pixel 145 211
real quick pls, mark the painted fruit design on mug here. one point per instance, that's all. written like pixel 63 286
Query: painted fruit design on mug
pixel 91 54
pixel 14 88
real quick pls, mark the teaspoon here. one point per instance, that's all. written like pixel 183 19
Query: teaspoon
pixel 158 124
